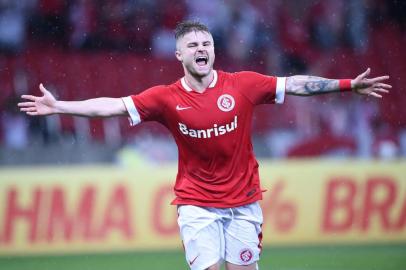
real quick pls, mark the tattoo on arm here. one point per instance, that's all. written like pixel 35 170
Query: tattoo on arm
pixel 310 85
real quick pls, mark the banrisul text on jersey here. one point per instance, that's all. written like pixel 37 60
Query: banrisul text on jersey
pixel 215 131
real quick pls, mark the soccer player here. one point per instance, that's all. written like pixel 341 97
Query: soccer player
pixel 209 114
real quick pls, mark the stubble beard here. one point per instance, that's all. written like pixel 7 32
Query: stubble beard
pixel 196 74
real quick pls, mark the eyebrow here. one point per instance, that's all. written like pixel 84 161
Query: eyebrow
pixel 195 43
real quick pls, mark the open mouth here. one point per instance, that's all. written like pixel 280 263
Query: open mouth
pixel 202 60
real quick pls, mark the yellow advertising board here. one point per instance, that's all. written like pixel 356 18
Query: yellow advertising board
pixel 74 209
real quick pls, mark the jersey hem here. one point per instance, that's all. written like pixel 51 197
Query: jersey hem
pixel 178 202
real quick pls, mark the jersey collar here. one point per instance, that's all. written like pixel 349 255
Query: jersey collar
pixel 211 85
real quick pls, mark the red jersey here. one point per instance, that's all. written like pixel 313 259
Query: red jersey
pixel 212 130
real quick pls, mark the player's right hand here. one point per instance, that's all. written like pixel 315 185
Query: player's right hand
pixel 44 105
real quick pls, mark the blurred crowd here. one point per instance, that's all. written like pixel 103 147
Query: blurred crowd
pixel 273 36
pixel 242 28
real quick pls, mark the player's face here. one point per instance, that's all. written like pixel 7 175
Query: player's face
pixel 196 52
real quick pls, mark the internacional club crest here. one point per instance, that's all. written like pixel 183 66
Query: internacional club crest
pixel 225 103
pixel 246 255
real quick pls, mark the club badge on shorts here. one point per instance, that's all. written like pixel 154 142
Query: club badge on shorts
pixel 225 102
pixel 246 255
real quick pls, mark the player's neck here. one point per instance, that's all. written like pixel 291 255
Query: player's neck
pixel 199 84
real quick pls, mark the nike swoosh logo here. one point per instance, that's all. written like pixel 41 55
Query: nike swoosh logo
pixel 192 261
pixel 179 108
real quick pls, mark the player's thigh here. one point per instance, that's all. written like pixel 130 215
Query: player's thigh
pixel 231 266
pixel 243 236
pixel 216 266
pixel 202 237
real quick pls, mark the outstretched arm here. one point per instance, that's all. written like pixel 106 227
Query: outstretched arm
pixel 47 105
pixel 300 85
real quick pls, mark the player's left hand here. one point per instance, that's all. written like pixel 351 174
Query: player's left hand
pixel 370 86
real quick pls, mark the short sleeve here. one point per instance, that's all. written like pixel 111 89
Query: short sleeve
pixel 146 106
pixel 259 88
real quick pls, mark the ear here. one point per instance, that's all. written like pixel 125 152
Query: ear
pixel 178 55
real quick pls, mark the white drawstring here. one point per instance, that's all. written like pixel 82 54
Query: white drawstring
pixel 232 214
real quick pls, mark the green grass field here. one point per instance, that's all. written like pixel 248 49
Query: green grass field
pixel 388 257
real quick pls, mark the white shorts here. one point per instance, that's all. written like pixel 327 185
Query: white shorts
pixel 212 235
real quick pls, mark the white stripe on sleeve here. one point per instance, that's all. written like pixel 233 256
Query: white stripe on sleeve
pixel 280 90
pixel 132 111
